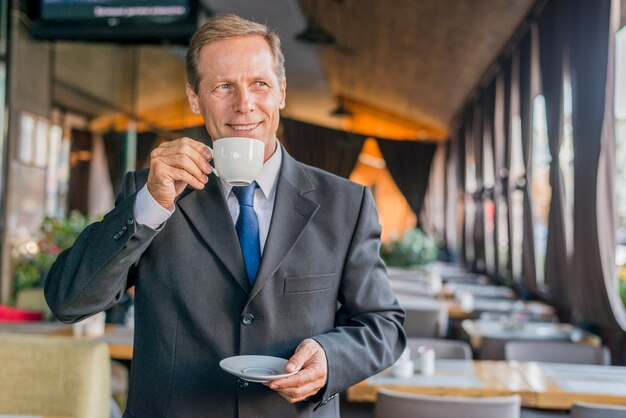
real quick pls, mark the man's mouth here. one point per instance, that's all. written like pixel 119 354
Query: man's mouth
pixel 243 128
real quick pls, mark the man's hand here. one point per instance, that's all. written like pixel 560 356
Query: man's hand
pixel 310 362
pixel 176 164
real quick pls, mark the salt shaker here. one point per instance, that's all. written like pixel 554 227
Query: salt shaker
pixel 426 360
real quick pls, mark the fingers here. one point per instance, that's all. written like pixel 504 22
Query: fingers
pixel 299 394
pixel 310 362
pixel 186 154
pixel 176 164
pixel 306 350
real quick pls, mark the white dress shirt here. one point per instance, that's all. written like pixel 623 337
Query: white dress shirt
pixel 150 213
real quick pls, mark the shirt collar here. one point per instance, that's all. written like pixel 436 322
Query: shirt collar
pixel 268 177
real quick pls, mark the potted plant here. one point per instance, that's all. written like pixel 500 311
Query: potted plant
pixel 415 248
pixel 38 256
pixel 622 283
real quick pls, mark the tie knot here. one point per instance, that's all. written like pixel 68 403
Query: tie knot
pixel 245 194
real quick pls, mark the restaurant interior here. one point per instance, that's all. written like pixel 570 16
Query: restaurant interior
pixel 491 133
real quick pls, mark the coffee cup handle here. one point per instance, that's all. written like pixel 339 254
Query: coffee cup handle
pixel 213 165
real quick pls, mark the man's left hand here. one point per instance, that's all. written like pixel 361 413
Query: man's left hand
pixel 309 361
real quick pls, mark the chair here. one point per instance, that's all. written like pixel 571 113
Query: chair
pixel 556 352
pixel 426 321
pixel 444 349
pixel 34 300
pixel 407 405
pixel 60 376
pixel 589 410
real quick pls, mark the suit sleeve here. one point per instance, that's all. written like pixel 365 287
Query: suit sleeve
pixel 368 336
pixel 92 275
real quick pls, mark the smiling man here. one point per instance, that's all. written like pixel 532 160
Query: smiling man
pixel 320 297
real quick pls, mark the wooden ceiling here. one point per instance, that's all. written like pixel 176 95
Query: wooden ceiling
pixel 418 60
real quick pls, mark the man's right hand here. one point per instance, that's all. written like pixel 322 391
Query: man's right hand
pixel 176 164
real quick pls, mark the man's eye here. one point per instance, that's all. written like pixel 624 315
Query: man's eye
pixel 261 83
pixel 223 86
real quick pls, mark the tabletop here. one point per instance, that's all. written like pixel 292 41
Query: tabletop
pixel 454 378
pixel 480 290
pixel 478 329
pixel 558 385
pixel 540 385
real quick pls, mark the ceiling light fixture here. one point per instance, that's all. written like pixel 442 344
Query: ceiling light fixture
pixel 315 34
pixel 341 110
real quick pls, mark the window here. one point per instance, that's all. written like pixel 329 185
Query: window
pixel 620 159
pixel 540 183
pixel 566 153
pixel 489 207
pixel 517 173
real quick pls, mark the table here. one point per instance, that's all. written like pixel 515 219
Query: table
pixel 480 290
pixel 454 378
pixel 558 386
pixel 480 329
pixel 418 288
pixel 540 385
pixel 119 338
pixel 508 306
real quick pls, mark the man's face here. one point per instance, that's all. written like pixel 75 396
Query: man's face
pixel 239 94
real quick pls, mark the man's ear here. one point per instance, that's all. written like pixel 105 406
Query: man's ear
pixel 283 94
pixel 193 99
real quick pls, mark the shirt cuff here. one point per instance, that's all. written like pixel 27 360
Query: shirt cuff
pixel 148 211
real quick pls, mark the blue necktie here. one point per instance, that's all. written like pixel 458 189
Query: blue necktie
pixel 248 229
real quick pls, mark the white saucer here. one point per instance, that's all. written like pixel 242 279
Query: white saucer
pixel 258 369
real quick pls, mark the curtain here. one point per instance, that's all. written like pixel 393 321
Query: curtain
pixel 452 201
pixel 114 144
pixel 479 218
pixel 329 149
pixel 553 26
pixel 526 94
pixel 469 187
pixel 594 285
pixel 433 209
pixel 502 122
pixel 460 194
pixel 409 165
pixel 488 166
pixel 100 196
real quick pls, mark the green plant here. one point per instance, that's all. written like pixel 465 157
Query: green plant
pixel 36 258
pixel 622 284
pixel 414 248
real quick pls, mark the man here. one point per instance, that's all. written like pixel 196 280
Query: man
pixel 320 297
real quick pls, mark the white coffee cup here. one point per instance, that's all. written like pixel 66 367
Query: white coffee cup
pixel 238 160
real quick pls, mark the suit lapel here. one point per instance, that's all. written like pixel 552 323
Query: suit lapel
pixel 292 213
pixel 208 212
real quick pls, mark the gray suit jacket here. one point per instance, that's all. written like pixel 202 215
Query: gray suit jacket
pixel 321 276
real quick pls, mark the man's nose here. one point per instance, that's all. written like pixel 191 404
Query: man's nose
pixel 244 101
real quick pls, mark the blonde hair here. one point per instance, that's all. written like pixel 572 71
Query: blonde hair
pixel 229 26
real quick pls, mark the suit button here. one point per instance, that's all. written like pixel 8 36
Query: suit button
pixel 129 222
pixel 243 384
pixel 247 319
